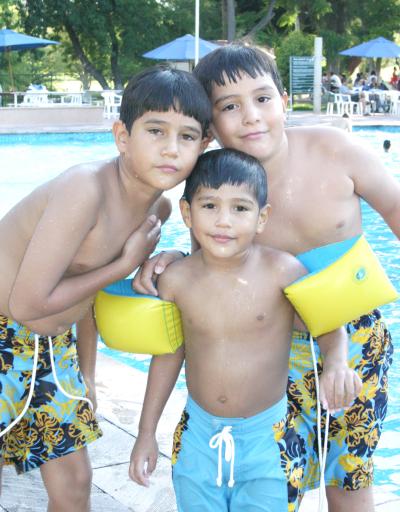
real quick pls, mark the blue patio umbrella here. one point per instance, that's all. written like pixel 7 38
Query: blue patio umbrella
pixel 10 40
pixel 375 48
pixel 181 48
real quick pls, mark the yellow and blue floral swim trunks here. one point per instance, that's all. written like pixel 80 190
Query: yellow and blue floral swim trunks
pixel 354 433
pixel 53 425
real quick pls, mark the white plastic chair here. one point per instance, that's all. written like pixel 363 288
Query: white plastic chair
pixel 334 101
pixel 112 103
pixel 349 106
pixel 35 99
pixel 72 99
pixel 394 102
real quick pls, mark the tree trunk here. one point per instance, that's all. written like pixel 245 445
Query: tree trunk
pixel 224 32
pixel 114 49
pixel 263 22
pixel 378 66
pixel 87 65
pixel 230 20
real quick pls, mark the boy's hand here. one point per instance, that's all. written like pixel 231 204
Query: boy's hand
pixel 141 243
pixel 339 386
pixel 146 276
pixel 143 459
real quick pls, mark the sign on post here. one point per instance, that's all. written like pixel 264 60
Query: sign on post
pixel 301 76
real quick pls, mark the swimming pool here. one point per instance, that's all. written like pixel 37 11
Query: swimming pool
pixel 26 161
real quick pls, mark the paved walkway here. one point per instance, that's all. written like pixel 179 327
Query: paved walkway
pixel 120 391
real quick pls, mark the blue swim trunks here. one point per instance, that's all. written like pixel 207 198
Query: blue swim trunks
pixel 53 425
pixel 353 434
pixel 237 464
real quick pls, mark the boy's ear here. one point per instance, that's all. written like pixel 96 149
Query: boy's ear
pixel 285 99
pixel 121 135
pixel 263 218
pixel 214 135
pixel 185 212
pixel 206 140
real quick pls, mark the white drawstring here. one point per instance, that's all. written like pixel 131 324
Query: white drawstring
pixel 53 369
pixel 32 386
pixel 322 453
pixel 216 441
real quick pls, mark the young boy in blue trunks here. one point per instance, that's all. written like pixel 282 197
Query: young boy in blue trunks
pixel 317 176
pixel 89 226
pixel 238 326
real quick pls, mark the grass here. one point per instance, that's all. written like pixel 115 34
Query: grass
pixel 302 106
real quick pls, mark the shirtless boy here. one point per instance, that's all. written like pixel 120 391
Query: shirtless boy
pixel 317 176
pixel 72 236
pixel 236 355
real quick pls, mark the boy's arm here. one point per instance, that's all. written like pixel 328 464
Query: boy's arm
pixel 374 183
pixel 42 287
pixel 163 373
pixel 339 384
pixel 86 337
pixel 145 278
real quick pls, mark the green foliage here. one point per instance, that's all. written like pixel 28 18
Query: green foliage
pixel 294 44
pixel 105 39
pixel 303 107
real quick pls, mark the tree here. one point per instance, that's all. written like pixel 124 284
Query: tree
pixel 342 23
pixel 108 37
pixel 297 44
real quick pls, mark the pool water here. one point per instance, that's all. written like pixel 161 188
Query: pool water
pixel 26 161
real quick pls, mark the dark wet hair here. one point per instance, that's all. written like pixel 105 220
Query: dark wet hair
pixel 227 167
pixel 161 88
pixel 386 144
pixel 233 60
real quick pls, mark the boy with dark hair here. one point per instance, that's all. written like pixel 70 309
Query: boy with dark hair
pixel 317 176
pixel 91 225
pixel 236 356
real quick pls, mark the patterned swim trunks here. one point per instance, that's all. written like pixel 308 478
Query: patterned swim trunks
pixel 53 425
pixel 353 434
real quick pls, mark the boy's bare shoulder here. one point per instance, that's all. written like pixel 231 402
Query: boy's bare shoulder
pixel 86 175
pixel 318 136
pixel 86 184
pixel 327 142
pixel 174 277
pixel 286 266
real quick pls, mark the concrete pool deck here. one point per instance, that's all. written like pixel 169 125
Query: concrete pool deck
pixel 295 118
pixel 120 391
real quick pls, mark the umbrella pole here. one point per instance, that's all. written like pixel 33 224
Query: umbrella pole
pixel 197 33
pixel 10 70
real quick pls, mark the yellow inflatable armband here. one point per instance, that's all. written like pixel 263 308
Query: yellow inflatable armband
pixel 346 281
pixel 131 322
